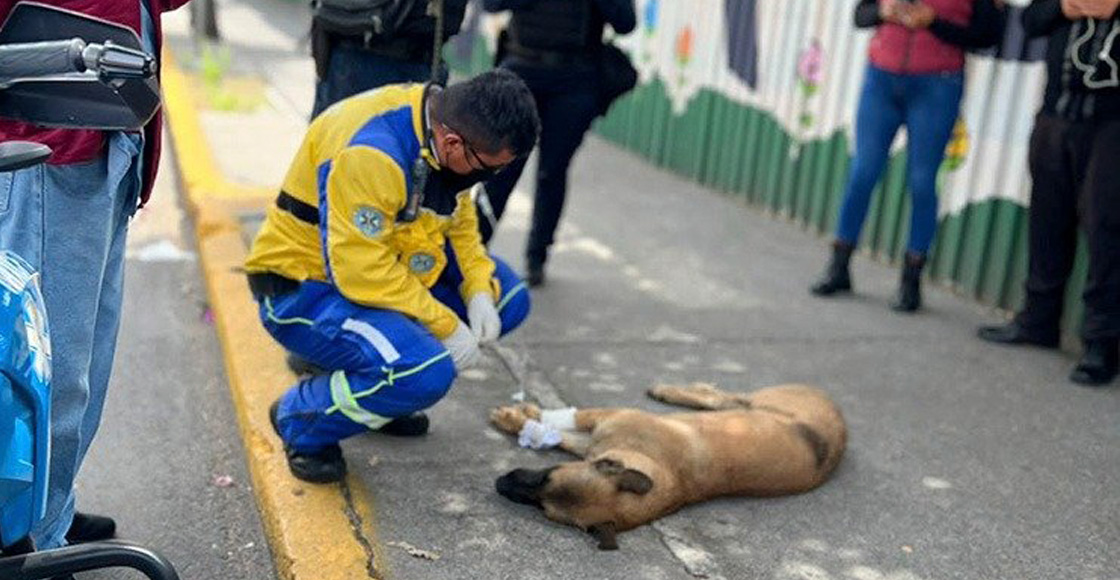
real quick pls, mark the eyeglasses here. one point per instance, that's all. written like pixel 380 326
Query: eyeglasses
pixel 491 169
pixel 478 163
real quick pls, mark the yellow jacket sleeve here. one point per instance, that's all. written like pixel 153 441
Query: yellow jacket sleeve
pixel 474 262
pixel 365 190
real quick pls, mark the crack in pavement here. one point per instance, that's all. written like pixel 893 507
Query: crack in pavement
pixel 355 519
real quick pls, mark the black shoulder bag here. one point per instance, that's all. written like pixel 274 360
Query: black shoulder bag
pixel 617 75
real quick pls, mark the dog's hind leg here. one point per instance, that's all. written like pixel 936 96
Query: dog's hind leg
pixel 702 396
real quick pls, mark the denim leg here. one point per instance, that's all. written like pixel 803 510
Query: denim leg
pixel 877 121
pixel 932 106
pixel 81 211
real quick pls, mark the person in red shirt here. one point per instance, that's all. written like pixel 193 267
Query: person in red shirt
pixel 68 219
pixel 915 78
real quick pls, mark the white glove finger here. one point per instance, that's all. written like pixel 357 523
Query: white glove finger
pixel 491 329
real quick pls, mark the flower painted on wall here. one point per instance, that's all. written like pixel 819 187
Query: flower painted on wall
pixel 810 74
pixel 649 16
pixel 649 27
pixel 683 52
pixel 684 46
pixel 957 150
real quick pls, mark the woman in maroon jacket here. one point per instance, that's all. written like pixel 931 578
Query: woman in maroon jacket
pixel 69 219
pixel 915 78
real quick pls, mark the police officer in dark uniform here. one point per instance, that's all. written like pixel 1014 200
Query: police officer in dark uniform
pixel 348 63
pixel 556 47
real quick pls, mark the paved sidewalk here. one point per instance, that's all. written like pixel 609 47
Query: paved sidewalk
pixel 965 460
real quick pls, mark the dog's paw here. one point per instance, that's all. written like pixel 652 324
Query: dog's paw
pixel 530 411
pixel 508 419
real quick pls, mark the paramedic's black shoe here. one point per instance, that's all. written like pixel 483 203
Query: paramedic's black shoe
pixel 1098 365
pixel 90 528
pixel 413 425
pixel 1014 333
pixel 302 366
pixel 837 277
pixel 324 466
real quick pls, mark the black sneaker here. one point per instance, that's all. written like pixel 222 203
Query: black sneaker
pixel 413 425
pixel 90 528
pixel 324 466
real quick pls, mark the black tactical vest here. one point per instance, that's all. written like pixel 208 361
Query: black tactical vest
pixel 557 26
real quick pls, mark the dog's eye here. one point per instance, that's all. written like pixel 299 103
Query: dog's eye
pixel 562 496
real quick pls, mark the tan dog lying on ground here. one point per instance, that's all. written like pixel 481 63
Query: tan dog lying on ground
pixel 639 466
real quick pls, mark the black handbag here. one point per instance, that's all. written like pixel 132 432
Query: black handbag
pixel 367 19
pixel 617 76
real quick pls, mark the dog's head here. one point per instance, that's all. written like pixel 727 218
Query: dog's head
pixel 601 495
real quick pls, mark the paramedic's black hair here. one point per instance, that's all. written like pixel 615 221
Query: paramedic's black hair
pixel 493 111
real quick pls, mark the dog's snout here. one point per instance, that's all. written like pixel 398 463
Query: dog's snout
pixel 523 485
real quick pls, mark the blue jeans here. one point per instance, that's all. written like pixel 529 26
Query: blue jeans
pixel 928 105
pixel 384 364
pixel 352 70
pixel 69 222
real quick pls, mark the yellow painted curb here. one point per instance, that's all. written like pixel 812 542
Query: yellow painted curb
pixel 316 532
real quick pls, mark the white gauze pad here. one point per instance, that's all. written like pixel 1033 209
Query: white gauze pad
pixel 561 419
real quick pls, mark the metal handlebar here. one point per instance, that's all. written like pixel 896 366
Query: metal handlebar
pixel 109 61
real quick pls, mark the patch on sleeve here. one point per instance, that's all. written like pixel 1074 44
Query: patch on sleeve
pixel 369 221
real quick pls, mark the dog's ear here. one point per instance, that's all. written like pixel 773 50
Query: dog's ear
pixel 607 535
pixel 608 466
pixel 634 481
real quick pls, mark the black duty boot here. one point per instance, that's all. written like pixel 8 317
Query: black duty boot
pixel 90 528
pixel 324 466
pixel 836 277
pixel 1099 363
pixel 534 272
pixel 413 425
pixel 1015 332
pixel 909 296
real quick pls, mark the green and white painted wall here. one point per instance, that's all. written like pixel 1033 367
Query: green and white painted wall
pixel 756 98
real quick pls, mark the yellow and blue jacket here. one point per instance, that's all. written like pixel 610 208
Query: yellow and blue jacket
pixel 336 219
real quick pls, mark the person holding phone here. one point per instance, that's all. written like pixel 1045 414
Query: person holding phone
pixel 914 78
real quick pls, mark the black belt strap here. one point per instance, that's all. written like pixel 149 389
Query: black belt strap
pixel 266 285
pixel 303 211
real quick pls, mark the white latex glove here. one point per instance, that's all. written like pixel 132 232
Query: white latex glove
pixel 484 319
pixel 463 347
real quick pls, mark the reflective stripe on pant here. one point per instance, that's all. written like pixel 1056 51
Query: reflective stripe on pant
pixel 384 364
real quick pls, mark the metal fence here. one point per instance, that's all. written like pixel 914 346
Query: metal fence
pixel 756 98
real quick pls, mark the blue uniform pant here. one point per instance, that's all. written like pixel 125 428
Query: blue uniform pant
pixel 928 105
pixel 383 364
pixel 69 222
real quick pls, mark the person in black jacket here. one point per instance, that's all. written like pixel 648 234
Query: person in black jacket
pixel 348 65
pixel 555 47
pixel 1073 152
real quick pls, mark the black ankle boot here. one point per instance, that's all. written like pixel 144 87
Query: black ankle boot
pixel 1099 363
pixel 534 272
pixel 910 288
pixel 836 277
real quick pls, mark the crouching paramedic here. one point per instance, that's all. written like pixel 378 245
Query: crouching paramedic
pixel 370 264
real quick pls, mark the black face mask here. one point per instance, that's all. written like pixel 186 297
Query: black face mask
pixel 443 185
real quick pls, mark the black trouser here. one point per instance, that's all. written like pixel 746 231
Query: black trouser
pixel 567 102
pixel 1076 173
